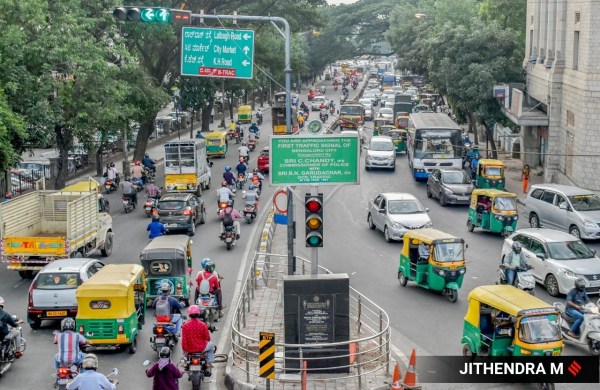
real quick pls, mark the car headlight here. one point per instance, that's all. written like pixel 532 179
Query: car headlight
pixel 515 217
pixel 429 224
pixel 462 271
pixel 448 191
pixel 569 273
pixel 590 224
pixel 397 225
pixel 441 272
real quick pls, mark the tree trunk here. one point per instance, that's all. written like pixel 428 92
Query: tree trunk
pixel 490 136
pixel 99 162
pixel 63 139
pixel 230 100
pixel 192 123
pixel 143 135
pixel 206 110
pixel 262 97
pixel 473 127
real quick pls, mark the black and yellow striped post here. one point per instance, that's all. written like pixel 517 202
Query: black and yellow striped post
pixel 266 356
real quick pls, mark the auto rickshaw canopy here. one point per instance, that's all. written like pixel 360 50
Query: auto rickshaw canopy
pixel 215 135
pixel 508 299
pixel 491 193
pixel 490 161
pixel 111 291
pixel 430 236
pixel 397 133
pixel 174 250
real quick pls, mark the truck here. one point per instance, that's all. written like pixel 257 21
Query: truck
pixel 42 226
pixel 186 166
pixel 402 109
pixel 388 81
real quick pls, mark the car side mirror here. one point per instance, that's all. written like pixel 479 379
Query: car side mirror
pixel 210 164
pixel 563 206
pixel 540 256
pixel 426 209
pixel 382 210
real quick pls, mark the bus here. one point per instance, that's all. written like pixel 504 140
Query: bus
pixel 388 81
pixel 278 116
pixel 434 141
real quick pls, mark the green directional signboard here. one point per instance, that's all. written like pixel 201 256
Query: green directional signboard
pixel 216 52
pixel 320 160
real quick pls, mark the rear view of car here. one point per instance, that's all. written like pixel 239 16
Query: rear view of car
pixel 381 153
pixel 180 212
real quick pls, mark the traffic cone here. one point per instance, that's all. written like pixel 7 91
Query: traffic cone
pixel 410 380
pixel 396 384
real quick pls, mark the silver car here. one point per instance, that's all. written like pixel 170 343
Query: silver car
pixel 52 292
pixel 567 208
pixel 450 185
pixel 381 153
pixel 558 259
pixel 395 213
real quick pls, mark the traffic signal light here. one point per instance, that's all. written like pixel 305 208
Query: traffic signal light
pixel 313 209
pixel 153 15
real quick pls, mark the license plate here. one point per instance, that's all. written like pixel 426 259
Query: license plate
pixel 195 368
pixel 595 284
pixel 125 202
pixel 462 197
pixel 62 381
pixel 170 224
pixel 60 313
pixel 160 340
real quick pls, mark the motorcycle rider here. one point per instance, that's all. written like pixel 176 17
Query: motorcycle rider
pixel 112 173
pixel 175 307
pixel 254 129
pixel 576 299
pixel 234 216
pixel 152 190
pixel 225 194
pixel 323 114
pixel 257 179
pixel 241 168
pixel 208 273
pixel 89 378
pixel 229 177
pixel 129 190
pixel 259 116
pixel 166 374
pixel 156 228
pixel 138 172
pixel 5 332
pixel 252 197
pixel 515 261
pixel 244 152
pixel 148 163
pixel 196 337
pixel 68 342
pixel 199 134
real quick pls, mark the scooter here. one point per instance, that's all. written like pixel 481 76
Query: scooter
pixel 249 212
pixel 251 145
pixel 150 205
pixel 589 332
pixel 209 302
pixel 9 351
pixel 523 281
pixel 229 237
pixel 331 110
pixel 241 180
pixel 138 184
pixel 110 186
pixel 323 117
pixel 259 118
pixel 128 204
pixel 335 87
pixel 246 158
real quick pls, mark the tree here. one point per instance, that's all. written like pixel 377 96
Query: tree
pixel 12 133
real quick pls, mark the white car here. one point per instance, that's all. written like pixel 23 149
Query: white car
pixel 387 96
pixel 315 104
pixel 558 259
pixel 371 96
pixel 395 213
pixel 386 113
pixel 361 134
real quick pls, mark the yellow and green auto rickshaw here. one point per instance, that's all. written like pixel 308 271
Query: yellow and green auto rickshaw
pixel 377 123
pixel 434 260
pixel 111 307
pixel 400 138
pixel 385 130
pixel 402 121
pixel 506 321
pixel 216 143
pixel 494 211
pixel 168 259
pixel 245 114
pixel 490 174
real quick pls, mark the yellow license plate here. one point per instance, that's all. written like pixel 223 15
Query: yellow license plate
pixel 556 353
pixel 60 313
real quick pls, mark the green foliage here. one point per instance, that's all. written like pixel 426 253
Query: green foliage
pixel 12 132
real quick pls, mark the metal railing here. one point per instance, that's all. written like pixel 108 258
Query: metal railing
pixel 369 344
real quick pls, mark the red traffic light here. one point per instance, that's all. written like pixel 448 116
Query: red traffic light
pixel 314 205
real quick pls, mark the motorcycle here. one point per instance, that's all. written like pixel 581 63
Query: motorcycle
pixel 238 138
pixel 523 281
pixel 335 87
pixel 128 204
pixel 195 366
pixel 9 351
pixel 251 145
pixel 259 118
pixel 211 307
pixel 138 184
pixel 110 186
pixel 64 375
pixel 229 237
pixel 246 158
pixel 331 110
pixel 241 180
pixel 150 205
pixel 589 332
pixel 323 117
pixel 231 134
pixel 249 212
pixel 162 336
pixel 354 85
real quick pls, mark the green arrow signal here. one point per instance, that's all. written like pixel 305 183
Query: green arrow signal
pixel 147 15
pixel 162 15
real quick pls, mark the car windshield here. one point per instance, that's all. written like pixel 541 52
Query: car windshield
pixel 458 177
pixel 449 252
pixel 57 281
pixel 539 329
pixel 585 202
pixel 405 207
pixel 351 110
pixel 569 250
pixel 493 171
pixel 505 204
pixel 171 204
pixel 381 146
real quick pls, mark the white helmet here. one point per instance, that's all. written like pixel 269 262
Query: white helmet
pixel 90 362
pixel 1 302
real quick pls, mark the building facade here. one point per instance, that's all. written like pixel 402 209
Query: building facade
pixel 559 110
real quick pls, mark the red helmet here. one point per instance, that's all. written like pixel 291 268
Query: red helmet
pixel 138 163
pixel 194 309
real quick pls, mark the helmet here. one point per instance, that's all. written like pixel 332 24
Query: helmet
pixel 204 261
pixel 90 362
pixel 255 170
pixel 67 324
pixel 165 287
pixel 1 302
pixel 253 123
pixel 147 155
pixel 112 165
pixel 224 184
pixel 244 143
pixel 165 352
pixel 250 187
pixel 193 310
pixel 138 162
pixel 210 266
pixel 155 218
pixel 227 168
pixel 580 284
pixel 241 159
pixel 516 247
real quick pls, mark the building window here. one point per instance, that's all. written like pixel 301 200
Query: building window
pixel 569 162
pixel 576 50
pixel 570 119
pixel 577 17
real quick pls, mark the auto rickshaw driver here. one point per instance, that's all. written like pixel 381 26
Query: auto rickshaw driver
pixel 484 205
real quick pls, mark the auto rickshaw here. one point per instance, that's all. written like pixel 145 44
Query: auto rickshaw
pixel 402 121
pixel 245 114
pixel 216 143
pixel 168 259
pixel 111 307
pixel 377 123
pixel 384 129
pixel 494 211
pixel 490 174
pixel 434 260
pixel 400 137
pixel 506 321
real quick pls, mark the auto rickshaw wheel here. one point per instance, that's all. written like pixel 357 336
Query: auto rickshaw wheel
pixel 451 295
pixel 29 274
pixel 133 346
pixel 186 301
pixel 470 226
pixel 402 279
pixel 468 354
pixel 594 347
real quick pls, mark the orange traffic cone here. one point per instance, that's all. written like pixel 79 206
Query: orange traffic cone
pixel 410 380
pixel 396 384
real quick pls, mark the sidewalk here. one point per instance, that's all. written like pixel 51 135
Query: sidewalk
pixel 266 314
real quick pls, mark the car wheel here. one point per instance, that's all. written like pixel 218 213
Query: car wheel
pixel 35 324
pixel 203 216
pixel 192 229
pixel 108 245
pixel 534 220
pixel 370 222
pixel 366 168
pixel 443 202
pixel 551 285
pixel 574 231
pixel 386 234
pixel 394 168
pixel 429 194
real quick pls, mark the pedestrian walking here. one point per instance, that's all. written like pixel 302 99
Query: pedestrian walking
pixel 525 177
